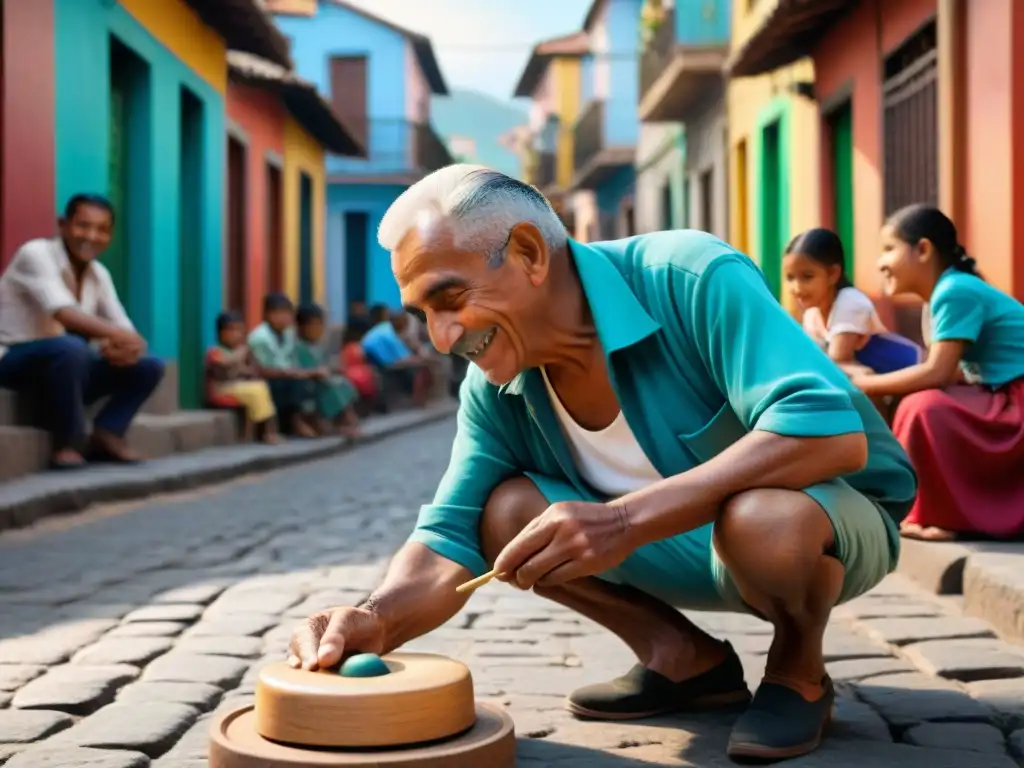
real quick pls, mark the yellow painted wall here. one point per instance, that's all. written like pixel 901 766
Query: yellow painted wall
pixel 180 29
pixel 567 83
pixel 747 97
pixel 303 153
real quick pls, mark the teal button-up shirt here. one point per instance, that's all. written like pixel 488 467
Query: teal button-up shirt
pixel 699 353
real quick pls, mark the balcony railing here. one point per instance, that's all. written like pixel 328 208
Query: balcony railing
pixel 588 134
pixel 393 146
pixel 658 53
pixel 429 152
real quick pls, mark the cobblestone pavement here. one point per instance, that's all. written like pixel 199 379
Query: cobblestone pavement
pixel 122 635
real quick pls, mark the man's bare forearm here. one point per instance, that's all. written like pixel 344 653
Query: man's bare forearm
pixel 77 321
pixel 417 595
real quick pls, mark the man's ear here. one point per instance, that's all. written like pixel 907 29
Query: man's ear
pixel 527 247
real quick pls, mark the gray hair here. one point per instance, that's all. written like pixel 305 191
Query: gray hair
pixel 480 205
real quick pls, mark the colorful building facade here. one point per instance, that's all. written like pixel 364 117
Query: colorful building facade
pixel 139 116
pixel 773 130
pixel 279 131
pixel 681 84
pixel 380 78
pixel 661 200
pixel 607 130
pixel 552 80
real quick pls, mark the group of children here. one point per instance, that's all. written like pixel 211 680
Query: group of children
pixel 281 375
pixel 960 401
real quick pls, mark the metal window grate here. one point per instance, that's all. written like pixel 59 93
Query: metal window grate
pixel 910 102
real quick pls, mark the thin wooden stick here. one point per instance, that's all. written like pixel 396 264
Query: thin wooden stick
pixel 479 581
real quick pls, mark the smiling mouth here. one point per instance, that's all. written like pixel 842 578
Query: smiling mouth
pixel 482 346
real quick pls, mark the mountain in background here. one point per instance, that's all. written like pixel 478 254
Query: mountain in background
pixel 471 123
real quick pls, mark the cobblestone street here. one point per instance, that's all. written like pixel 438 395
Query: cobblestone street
pixel 122 633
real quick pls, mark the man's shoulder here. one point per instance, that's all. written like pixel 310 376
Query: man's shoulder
pixel 689 250
pixel 34 250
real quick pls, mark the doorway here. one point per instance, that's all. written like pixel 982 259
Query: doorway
pixel 235 274
pixel 275 229
pixel 771 245
pixel 357 231
pixel 305 238
pixel 190 259
pixel 840 127
pixel 128 81
pixel 707 201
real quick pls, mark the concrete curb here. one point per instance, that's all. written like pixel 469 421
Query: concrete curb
pixel 988 575
pixel 25 501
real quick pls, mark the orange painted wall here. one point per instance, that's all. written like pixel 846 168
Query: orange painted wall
pixel 261 116
pixel 849 58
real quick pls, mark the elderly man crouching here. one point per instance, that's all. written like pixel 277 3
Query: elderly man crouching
pixel 644 429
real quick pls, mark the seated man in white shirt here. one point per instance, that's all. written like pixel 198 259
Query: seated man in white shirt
pixel 55 297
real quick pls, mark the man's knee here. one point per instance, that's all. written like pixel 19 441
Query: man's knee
pixel 777 528
pixel 509 508
pixel 69 351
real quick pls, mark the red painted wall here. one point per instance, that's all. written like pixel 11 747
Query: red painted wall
pixel 849 58
pixel 261 116
pixel 27 183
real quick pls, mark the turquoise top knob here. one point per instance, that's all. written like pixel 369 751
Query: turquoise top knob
pixel 364 665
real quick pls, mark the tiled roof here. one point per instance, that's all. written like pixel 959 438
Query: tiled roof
pixel 301 99
pixel 245 26
pixel 575 44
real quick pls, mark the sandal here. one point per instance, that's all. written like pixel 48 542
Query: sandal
pixel 642 692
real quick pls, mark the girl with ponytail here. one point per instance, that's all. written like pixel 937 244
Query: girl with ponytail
pixel 961 419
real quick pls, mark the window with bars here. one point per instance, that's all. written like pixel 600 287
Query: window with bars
pixel 910 99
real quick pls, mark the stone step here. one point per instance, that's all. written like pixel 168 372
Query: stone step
pixel 18 410
pixel 27 450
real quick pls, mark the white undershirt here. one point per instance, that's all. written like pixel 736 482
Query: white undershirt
pixel 610 459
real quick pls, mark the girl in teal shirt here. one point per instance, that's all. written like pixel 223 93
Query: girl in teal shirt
pixel 961 419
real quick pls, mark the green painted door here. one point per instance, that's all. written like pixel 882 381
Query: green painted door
pixel 772 230
pixel 116 257
pixel 841 124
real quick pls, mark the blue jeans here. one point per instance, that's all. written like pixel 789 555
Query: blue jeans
pixel 68 375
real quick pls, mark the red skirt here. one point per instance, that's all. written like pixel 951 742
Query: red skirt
pixel 967 445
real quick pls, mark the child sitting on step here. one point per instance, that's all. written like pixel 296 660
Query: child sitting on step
pixel 961 419
pixel 841 318
pixel 233 380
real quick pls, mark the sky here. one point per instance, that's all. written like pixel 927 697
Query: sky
pixel 482 45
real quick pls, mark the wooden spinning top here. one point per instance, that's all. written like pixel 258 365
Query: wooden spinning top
pixel 407 709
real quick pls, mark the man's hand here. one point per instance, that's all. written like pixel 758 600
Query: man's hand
pixel 316 374
pixel 568 541
pixel 321 640
pixel 123 348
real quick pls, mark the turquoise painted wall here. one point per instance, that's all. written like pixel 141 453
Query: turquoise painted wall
pixel 83 30
pixel 703 22
pixel 374 200
pixel 610 192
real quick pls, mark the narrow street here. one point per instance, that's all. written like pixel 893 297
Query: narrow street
pixel 122 633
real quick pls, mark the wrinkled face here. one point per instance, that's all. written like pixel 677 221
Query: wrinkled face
pixel 233 335
pixel 312 330
pixel 88 232
pixel 484 313
pixel 809 282
pixel 902 265
pixel 280 319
